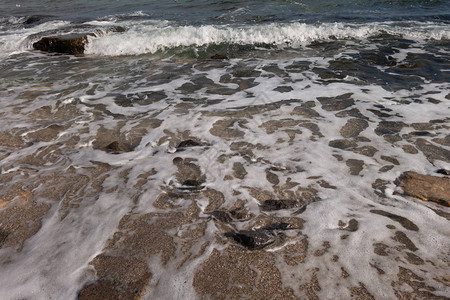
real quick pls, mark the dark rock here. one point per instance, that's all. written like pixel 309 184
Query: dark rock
pixel 298 66
pixel 402 220
pixel 443 171
pixel 226 128
pixel 433 152
pixel 3 236
pixel 380 249
pixel 325 73
pixel 355 165
pixel 300 210
pixel 191 184
pixel 382 107
pixel 305 111
pixel 245 71
pixel 379 113
pixel 425 187
pixel 189 174
pixel 280 226
pixel 116 148
pixel 203 81
pixel 101 289
pixel 414 259
pixel 272 177
pixel 379 187
pixel 336 103
pixel 67 44
pixel 353 127
pixel 378 58
pixel 352 225
pixel 273 68
pixel 71 43
pixel 401 237
pixel 313 127
pixel 385 169
pixel 239 170
pixel 221 215
pixel 283 89
pixel 219 56
pixel 252 240
pixel 240 213
pixel 271 205
pixel 445 141
pixel 362 139
pixel 389 127
pixel 365 150
pixel 392 138
pixel 146 98
pixel 409 149
pixel 354 112
pixel 342 144
pixel 221 91
pixel 186 144
pixel 189 88
pixel 390 159
pixel 420 133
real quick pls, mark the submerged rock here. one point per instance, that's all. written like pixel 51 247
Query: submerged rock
pixel 117 148
pixel 355 165
pixel 353 127
pixel 433 152
pixel 281 226
pixel 219 56
pixel 389 128
pixel 402 220
pixel 238 214
pixel 191 184
pixel 443 171
pixel 425 187
pixel 351 226
pixel 252 240
pixel 222 216
pixel 186 144
pixel 336 103
pixel 270 205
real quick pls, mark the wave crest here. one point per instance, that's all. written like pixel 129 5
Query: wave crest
pixel 151 38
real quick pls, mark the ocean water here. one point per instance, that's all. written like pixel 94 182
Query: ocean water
pixel 127 171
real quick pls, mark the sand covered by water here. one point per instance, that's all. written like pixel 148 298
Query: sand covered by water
pixel 155 179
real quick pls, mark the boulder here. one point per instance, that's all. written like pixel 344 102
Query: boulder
pixel 425 187
pixel 68 44
pixel 252 240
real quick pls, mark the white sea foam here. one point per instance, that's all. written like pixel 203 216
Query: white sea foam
pixel 148 38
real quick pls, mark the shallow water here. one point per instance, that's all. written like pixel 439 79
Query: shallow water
pixel 130 168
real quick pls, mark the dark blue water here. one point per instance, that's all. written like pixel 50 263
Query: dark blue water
pixel 212 12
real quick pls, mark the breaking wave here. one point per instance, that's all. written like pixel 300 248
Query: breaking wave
pixel 151 38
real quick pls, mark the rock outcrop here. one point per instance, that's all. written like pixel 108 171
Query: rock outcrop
pixel 70 43
pixel 425 187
